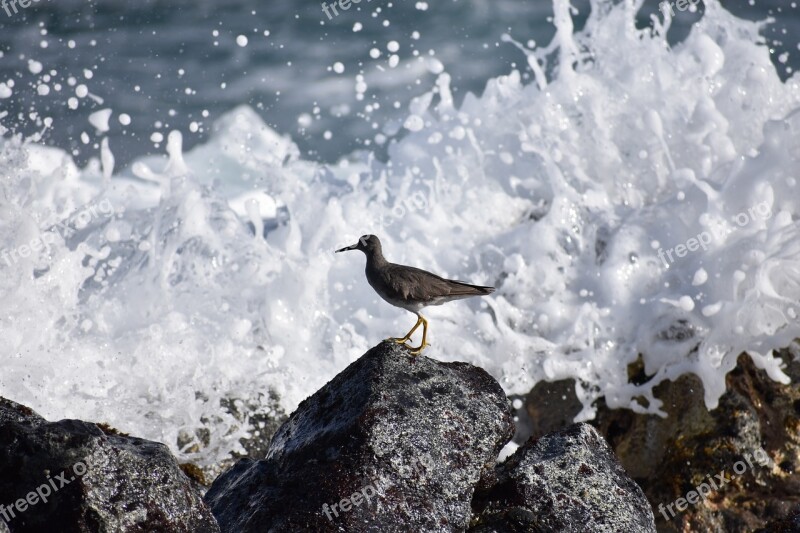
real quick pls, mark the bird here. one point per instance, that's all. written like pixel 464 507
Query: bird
pixel 410 288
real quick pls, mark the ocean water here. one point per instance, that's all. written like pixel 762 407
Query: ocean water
pixel 176 176
pixel 177 64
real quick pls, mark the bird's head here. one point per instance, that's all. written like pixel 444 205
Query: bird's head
pixel 369 244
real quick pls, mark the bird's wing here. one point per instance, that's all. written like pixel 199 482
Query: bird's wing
pixel 411 283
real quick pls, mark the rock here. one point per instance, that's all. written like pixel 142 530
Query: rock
pixel 393 443
pixel 566 481
pixel 76 476
pixel 752 438
pixel 790 524
pixel 670 457
pixel 546 408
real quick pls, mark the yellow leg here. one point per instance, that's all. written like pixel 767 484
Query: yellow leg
pixel 418 349
pixel 408 335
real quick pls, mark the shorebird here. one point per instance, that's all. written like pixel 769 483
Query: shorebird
pixel 410 288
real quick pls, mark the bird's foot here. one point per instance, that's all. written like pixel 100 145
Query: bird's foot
pixel 418 349
pixel 399 341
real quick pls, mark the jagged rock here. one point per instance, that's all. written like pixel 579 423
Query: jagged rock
pixel 546 408
pixel 790 524
pixel 670 457
pixel 74 476
pixel 393 443
pixel 566 481
pixel 753 437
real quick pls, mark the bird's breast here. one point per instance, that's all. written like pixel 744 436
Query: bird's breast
pixel 387 288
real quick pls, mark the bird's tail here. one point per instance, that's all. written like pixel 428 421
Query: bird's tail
pixel 460 288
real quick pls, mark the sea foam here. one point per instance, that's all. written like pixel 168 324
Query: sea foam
pixel 214 280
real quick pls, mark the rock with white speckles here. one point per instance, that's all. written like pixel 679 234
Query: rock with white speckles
pixel 566 481
pixel 75 476
pixel 393 443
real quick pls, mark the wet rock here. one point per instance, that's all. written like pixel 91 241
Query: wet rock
pixel 752 439
pixel 393 443
pixel 790 524
pixel 74 476
pixel 757 418
pixel 566 481
pixel 546 408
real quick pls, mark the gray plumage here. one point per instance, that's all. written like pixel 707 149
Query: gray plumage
pixel 408 287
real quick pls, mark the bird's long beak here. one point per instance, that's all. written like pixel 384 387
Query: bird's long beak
pixel 346 248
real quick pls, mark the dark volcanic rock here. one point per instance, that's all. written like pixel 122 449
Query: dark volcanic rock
pixel 669 457
pixel 566 481
pixel 546 408
pixel 73 476
pixel 393 443
pixel 790 524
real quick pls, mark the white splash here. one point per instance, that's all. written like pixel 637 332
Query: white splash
pixel 563 193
